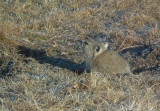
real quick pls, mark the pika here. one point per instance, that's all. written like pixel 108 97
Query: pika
pixel 99 58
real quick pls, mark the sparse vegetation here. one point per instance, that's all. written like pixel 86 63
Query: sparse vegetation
pixel 41 64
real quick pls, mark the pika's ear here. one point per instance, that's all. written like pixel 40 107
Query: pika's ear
pixel 106 45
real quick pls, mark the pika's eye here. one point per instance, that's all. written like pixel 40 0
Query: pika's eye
pixel 97 48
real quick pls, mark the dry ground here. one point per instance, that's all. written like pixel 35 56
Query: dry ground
pixel 41 60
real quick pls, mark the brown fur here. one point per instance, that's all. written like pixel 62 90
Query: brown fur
pixel 99 58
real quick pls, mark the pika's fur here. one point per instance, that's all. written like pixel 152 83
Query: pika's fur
pixel 100 59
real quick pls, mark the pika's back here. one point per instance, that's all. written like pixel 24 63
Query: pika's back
pixel 99 58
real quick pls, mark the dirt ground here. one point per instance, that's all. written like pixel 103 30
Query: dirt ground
pixel 42 65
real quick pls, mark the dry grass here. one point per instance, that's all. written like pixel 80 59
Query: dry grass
pixel 40 55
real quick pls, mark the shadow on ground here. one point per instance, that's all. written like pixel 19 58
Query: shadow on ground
pixel 41 57
pixel 145 58
pixel 79 68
